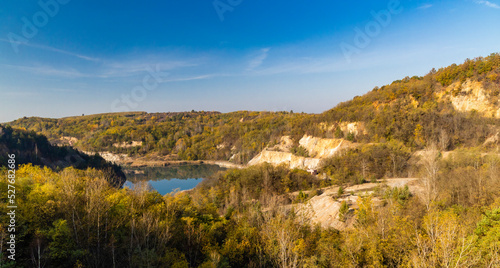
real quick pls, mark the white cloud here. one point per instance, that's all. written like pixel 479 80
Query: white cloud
pixel 199 77
pixel 425 6
pixel 333 63
pixel 132 68
pixel 488 4
pixel 259 59
pixel 141 66
pixel 47 71
pixel 53 49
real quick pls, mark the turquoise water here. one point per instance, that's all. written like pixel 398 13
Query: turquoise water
pixel 168 179
pixel 169 185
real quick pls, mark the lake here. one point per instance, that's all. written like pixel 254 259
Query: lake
pixel 167 179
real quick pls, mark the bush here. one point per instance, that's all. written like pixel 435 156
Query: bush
pixel 299 151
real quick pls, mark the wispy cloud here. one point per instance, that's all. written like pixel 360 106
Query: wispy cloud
pixel 108 69
pixel 53 49
pixel 425 6
pixel 47 70
pixel 333 63
pixel 198 77
pixel 259 59
pixel 488 4
pixel 140 66
pixel 17 93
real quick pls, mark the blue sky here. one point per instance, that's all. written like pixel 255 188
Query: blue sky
pixel 71 57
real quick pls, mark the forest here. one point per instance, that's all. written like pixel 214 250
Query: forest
pixel 32 148
pixel 250 217
pixel 239 218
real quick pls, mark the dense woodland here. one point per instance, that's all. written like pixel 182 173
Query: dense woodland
pixel 246 217
pixel 190 135
pixel 74 218
pixel 32 148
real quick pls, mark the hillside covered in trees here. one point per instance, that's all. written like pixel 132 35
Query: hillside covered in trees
pixel 34 149
pixel 189 135
pixel 243 218
pixel 440 132
pixel 421 110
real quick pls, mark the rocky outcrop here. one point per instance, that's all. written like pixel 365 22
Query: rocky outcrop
pixel 223 164
pixel 115 158
pixel 469 96
pixel 492 140
pixel 291 160
pixel 128 144
pixel 65 141
pixel 324 209
pixel 355 128
pixel 285 144
pixel 321 148
pixel 318 148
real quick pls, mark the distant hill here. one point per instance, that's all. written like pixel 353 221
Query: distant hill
pixel 35 149
pixel 457 106
pixel 186 135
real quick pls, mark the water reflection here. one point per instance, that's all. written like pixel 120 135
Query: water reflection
pixel 167 179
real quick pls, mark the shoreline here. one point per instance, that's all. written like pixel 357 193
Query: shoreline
pixel 166 163
pixel 126 161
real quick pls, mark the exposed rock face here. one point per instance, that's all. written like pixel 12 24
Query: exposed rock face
pixel 321 148
pixel 469 96
pixel 324 209
pixel 65 141
pixel 113 158
pixel 317 148
pixel 278 158
pixel 128 145
pixel 493 139
pixel 224 164
pixel 286 143
pixel 355 128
